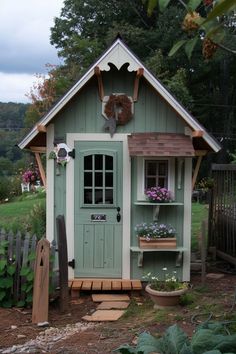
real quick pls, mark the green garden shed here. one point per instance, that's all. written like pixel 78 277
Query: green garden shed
pixel 120 131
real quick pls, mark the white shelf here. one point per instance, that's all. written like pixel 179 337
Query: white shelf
pixel 156 206
pixel 140 251
pixel 159 204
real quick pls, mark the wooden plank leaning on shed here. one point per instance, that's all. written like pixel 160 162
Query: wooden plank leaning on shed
pixel 41 283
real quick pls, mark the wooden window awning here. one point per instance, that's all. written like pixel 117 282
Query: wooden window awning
pixel 160 144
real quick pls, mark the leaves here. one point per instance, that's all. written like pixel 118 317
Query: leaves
pixel 163 4
pixel 6 283
pixel 147 344
pixel 2 294
pixel 176 47
pixel 3 264
pixel 151 6
pixel 174 339
pixel 189 46
pixel 221 8
pixel 11 269
pixel 193 4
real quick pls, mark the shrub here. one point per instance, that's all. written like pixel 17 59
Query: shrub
pixel 208 338
pixel 36 221
pixel 5 188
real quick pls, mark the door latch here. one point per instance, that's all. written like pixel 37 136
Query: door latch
pixel 118 216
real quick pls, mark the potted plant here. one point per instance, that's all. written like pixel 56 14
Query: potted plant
pixel 158 195
pixel 156 235
pixel 165 291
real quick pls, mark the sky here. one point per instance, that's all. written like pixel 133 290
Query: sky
pixel 25 46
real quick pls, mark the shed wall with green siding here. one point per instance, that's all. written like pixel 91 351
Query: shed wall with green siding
pixel 83 114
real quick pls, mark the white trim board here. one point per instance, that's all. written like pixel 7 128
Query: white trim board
pixel 50 185
pixel 187 217
pixel 126 213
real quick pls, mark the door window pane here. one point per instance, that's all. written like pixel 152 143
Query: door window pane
pixel 109 162
pixel 98 179
pixel 88 196
pixel 88 162
pixel 109 179
pixel 98 162
pixel 98 196
pixel 88 179
pixel 109 196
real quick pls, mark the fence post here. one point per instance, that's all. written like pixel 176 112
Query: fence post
pixel 63 263
pixel 18 267
pixel 41 283
pixel 203 251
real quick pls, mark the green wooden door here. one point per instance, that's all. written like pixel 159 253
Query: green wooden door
pixel 98 198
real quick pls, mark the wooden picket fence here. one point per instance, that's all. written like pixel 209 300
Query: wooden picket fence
pixel 18 250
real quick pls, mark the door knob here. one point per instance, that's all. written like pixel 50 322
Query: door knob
pixel 118 216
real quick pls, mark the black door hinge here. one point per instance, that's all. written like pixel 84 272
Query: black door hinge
pixel 72 153
pixel 72 264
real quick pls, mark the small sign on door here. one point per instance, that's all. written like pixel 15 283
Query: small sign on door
pixel 98 217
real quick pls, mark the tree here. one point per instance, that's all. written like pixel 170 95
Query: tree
pixel 212 22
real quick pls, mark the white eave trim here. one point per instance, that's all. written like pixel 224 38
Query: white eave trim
pixel 103 61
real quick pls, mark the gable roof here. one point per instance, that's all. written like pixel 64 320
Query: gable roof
pixel 119 54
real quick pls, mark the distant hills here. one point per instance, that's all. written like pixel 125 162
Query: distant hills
pixel 12 116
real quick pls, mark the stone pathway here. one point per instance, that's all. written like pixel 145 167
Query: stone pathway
pixel 46 339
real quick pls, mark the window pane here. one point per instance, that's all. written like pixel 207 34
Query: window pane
pixel 109 163
pixel 151 168
pixel 109 196
pixel 162 182
pixel 109 179
pixel 88 162
pixel 98 162
pixel 98 179
pixel 163 168
pixel 150 182
pixel 88 196
pixel 98 196
pixel 88 179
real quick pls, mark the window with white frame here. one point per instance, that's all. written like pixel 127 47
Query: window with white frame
pixel 156 173
pixel 153 172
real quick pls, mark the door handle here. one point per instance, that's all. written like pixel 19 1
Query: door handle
pixel 118 216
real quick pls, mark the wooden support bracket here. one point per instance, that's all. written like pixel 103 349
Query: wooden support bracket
pixel 41 169
pixel 100 83
pixel 197 134
pixel 140 72
pixel 41 128
pixel 196 170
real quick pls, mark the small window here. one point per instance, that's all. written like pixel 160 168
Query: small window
pixel 156 173
pixel 153 172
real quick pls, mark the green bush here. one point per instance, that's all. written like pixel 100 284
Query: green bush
pixel 7 274
pixel 36 221
pixel 5 188
pixel 209 338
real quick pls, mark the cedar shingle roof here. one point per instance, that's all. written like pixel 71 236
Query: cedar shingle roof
pixel 160 144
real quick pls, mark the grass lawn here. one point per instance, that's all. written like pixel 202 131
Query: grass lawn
pixel 199 214
pixel 14 215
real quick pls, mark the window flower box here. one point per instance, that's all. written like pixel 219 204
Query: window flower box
pixel 165 243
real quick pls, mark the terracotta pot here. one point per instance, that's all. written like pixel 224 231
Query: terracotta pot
pixel 169 242
pixel 165 298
